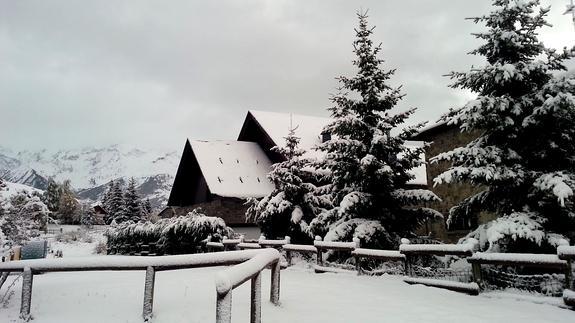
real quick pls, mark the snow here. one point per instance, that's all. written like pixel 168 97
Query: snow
pixel 233 168
pixel 277 125
pixel 13 189
pixel 468 287
pixel 309 129
pixel 248 245
pixel 517 258
pixel 98 163
pixel 420 172
pixel 127 262
pixel 336 244
pixel 443 248
pixel 267 242
pixel 557 183
pixel 236 275
pixel 189 296
pixel 565 252
pixel 299 247
pixel 393 254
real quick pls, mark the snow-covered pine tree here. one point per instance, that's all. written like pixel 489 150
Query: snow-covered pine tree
pixel 106 205
pixel 88 217
pixel 68 205
pixel 525 156
pixel 147 207
pixel 51 196
pixel 132 202
pixel 369 165
pixel 117 206
pixel 288 209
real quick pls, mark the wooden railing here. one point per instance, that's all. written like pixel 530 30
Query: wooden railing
pixel 233 277
pixel 250 264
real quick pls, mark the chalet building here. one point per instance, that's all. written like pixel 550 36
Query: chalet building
pixel 441 138
pixel 219 176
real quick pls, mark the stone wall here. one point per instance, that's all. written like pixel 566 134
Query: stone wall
pixel 444 138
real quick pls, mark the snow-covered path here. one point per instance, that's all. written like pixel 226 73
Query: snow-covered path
pixel 189 296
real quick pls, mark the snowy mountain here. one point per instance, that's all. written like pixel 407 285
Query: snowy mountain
pixel 90 169
pixel 13 170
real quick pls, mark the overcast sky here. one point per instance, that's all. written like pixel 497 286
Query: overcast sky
pixel 152 73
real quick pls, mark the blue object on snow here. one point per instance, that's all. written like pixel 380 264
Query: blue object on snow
pixel 34 250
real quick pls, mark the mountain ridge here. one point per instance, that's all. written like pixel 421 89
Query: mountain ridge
pixel 90 169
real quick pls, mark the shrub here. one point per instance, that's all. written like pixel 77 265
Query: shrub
pixel 183 234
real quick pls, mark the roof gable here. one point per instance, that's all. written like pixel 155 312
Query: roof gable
pixel 277 125
pixel 309 129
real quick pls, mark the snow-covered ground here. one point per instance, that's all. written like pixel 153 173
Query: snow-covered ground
pixel 189 296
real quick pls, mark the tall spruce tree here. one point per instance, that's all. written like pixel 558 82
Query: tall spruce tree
pixel 147 207
pixel 525 156
pixel 68 205
pixel 287 210
pixel 117 205
pixel 369 165
pixel 51 196
pixel 132 202
pixel 106 202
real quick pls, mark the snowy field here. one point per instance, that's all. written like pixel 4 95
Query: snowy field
pixel 189 296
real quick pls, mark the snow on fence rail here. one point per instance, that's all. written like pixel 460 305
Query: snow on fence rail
pixel 388 255
pixel 300 248
pixel 151 265
pixel 322 246
pixel 468 288
pixel 413 250
pixel 518 259
pixel 438 249
pixel 566 252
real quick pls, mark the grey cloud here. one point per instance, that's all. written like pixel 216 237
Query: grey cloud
pixel 151 73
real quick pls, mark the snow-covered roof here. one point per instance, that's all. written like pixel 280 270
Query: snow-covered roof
pixel 277 126
pixel 309 129
pixel 420 172
pixel 233 168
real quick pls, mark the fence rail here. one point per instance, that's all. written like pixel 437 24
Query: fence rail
pixel 250 264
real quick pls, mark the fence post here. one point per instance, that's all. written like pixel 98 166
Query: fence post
pixel 476 270
pixel 288 258
pixel 319 252
pixel 568 276
pixel 358 265
pixel 27 279
pixel 256 299
pixel 224 307
pixel 407 265
pixel 319 256
pixel 275 283
pixel 149 293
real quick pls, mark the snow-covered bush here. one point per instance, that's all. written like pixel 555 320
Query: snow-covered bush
pixel 183 234
pixel 366 160
pixel 24 215
pixel 525 157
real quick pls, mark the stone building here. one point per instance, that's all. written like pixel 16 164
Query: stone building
pixel 441 138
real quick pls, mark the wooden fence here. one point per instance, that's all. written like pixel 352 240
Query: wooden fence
pixel 248 265
pixel 408 253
